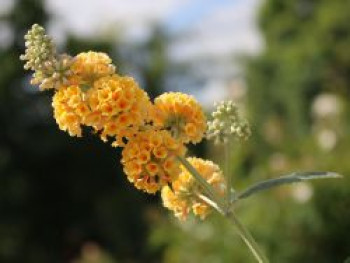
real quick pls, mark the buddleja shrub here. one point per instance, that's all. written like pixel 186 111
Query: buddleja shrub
pixel 88 91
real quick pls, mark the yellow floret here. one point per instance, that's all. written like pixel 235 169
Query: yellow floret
pixel 181 114
pixel 121 105
pixel 114 106
pixel 90 66
pixel 148 163
pixel 183 197
pixel 70 109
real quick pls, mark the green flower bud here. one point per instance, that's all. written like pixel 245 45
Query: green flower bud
pixel 226 123
pixel 50 70
pixel 39 48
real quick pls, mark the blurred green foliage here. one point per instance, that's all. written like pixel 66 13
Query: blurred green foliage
pixel 64 198
pixel 298 104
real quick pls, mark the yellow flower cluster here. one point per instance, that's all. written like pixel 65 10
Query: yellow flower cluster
pixel 149 159
pixel 90 66
pixel 184 194
pixel 115 106
pixel 120 107
pixel 70 109
pixel 89 93
pixel 181 114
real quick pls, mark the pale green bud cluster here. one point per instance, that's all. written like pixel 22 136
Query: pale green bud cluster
pixel 39 48
pixel 54 74
pixel 50 70
pixel 226 123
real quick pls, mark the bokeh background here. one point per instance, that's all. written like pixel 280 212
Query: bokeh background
pixel 286 63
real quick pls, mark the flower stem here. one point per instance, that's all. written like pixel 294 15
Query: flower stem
pixel 247 238
pixel 219 204
pixel 227 172
pixel 206 186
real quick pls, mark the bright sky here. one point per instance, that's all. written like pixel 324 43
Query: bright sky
pixel 208 27
pixel 205 33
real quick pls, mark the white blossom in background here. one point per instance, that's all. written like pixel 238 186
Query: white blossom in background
pixel 326 110
pixel 302 192
pixel 326 105
pixel 327 139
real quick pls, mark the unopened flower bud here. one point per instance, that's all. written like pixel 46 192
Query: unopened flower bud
pixel 227 122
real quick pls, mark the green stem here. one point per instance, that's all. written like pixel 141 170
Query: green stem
pixel 218 203
pixel 247 238
pixel 227 150
pixel 211 203
pixel 206 186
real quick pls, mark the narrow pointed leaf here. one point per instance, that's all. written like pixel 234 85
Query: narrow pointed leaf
pixel 286 179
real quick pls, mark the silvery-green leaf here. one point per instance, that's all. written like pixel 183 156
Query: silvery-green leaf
pixel 286 179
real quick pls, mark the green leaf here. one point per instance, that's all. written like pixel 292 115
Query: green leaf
pixel 286 179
